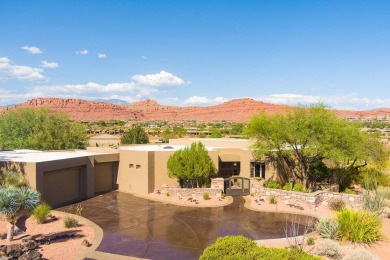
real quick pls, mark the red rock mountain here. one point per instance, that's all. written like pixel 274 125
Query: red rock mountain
pixel 238 110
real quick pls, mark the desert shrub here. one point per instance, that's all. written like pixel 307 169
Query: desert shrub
pixel 239 247
pixel 41 212
pixel 330 249
pixel 359 226
pixel 310 241
pixel 252 194
pixel 360 254
pixel 273 184
pixel 373 201
pixel 272 199
pixel 287 186
pixel 336 204
pixel 349 191
pixel 384 192
pixel 299 187
pixel 71 222
pixel 328 228
pixel 206 195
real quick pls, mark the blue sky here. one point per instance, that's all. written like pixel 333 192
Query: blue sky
pixel 197 52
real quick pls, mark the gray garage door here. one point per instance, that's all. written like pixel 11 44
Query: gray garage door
pixel 63 186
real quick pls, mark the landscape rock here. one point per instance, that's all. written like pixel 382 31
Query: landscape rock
pixel 86 243
pixel 14 250
pixel 31 255
pixel 29 245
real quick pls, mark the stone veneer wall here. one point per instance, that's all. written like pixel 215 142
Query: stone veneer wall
pixel 314 198
pixel 188 192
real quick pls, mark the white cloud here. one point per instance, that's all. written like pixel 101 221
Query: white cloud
pixel 196 100
pixel 142 87
pixel 160 79
pixel 4 60
pixel 50 65
pixel 83 52
pixel 32 49
pixel 347 101
pixel 8 70
pixel 102 56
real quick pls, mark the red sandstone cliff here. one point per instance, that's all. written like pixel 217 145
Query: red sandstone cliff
pixel 238 110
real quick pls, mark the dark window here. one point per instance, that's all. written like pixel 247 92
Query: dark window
pixel 258 170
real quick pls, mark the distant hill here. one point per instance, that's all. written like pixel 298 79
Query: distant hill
pixel 114 101
pixel 237 110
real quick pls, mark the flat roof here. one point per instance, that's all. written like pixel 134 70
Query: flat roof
pixel 40 156
pixel 159 147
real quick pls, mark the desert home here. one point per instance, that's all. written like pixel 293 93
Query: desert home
pixel 64 177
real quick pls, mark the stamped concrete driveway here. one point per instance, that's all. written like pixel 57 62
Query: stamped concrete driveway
pixel 148 229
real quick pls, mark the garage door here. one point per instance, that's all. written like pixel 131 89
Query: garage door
pixel 104 177
pixel 63 186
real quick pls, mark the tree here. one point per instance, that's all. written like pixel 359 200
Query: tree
pixel 136 135
pixel 16 202
pixel 299 138
pixel 191 163
pixel 40 129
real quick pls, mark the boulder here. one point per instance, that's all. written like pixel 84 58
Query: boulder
pixel 14 250
pixel 31 255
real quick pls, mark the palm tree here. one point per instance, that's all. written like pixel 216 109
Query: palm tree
pixel 16 202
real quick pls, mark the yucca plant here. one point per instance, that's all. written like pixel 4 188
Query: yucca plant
pixel 16 202
pixel 328 227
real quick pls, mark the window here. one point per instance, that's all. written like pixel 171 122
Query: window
pixel 258 170
pixel 138 166
pixel 131 165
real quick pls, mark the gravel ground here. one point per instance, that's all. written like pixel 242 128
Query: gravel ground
pixel 67 248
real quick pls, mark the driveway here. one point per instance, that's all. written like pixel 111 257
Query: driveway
pixel 148 229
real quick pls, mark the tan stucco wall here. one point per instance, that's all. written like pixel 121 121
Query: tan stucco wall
pixel 27 168
pixel 136 178
pixel 161 171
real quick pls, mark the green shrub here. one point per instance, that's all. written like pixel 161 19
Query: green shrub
pixel 330 249
pixel 41 212
pixel 336 204
pixel 70 222
pixel 360 254
pixel 360 226
pixel 349 191
pixel 272 199
pixel 310 241
pixel 299 187
pixel 239 247
pixel 273 184
pixel 287 186
pixel 206 195
pixel 328 228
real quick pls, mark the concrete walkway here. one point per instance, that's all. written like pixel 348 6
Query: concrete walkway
pixel 137 228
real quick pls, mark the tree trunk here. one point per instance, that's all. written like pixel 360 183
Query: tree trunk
pixel 10 231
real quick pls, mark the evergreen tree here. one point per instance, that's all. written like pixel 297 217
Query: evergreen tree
pixel 136 135
pixel 191 163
